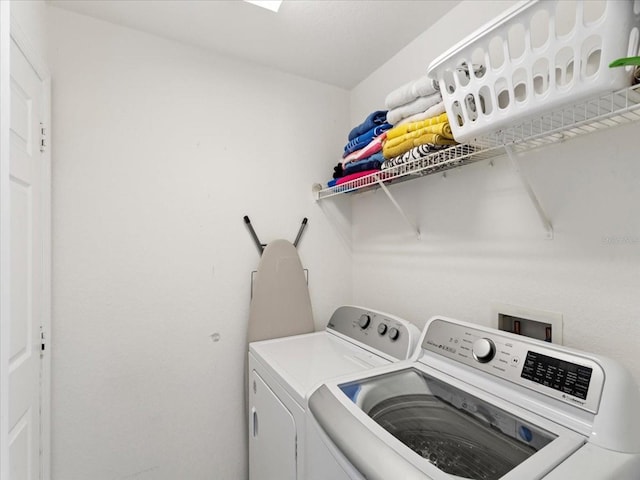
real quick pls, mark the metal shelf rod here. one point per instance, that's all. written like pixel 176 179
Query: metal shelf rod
pixel 384 188
pixel 546 223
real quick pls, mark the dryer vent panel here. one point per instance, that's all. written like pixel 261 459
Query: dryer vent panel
pixel 538 324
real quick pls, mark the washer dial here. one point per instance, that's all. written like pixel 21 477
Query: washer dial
pixel 394 333
pixel 483 350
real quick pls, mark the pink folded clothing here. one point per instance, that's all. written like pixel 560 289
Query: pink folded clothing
pixel 372 147
pixel 355 176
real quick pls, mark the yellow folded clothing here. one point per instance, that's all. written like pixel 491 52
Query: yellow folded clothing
pixel 442 129
pixel 411 127
pixel 392 149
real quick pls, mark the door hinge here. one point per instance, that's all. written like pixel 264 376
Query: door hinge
pixel 43 342
pixel 43 137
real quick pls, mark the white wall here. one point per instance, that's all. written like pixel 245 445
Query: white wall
pixel 159 151
pixel 31 17
pixel 483 241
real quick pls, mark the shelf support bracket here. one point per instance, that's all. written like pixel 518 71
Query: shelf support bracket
pixel 546 223
pixel 384 188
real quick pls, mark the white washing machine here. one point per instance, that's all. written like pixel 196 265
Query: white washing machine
pixel 477 403
pixel 283 371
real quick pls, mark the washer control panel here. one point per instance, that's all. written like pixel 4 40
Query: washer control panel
pixel 553 371
pixel 387 333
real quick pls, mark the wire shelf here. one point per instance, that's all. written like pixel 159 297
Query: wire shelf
pixel 606 111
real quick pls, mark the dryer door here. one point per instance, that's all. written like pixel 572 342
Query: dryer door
pixel 272 434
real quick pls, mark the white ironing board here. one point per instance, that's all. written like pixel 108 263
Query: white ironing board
pixel 281 305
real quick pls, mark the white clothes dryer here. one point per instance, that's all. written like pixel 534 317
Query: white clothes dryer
pixel 283 371
pixel 477 403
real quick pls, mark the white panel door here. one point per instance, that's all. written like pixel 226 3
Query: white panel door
pixel 27 172
pixel 272 435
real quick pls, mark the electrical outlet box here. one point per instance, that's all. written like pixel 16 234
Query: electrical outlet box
pixel 539 324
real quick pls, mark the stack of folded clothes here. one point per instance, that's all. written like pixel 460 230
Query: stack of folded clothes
pixel 416 100
pixel 363 152
pixel 430 134
pixel 415 126
pixel 421 126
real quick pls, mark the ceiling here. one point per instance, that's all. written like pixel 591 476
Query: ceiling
pixel 339 42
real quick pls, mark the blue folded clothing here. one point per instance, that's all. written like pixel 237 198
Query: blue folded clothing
pixel 374 162
pixel 364 139
pixel 376 118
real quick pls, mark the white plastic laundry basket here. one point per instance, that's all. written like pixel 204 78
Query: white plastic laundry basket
pixel 536 56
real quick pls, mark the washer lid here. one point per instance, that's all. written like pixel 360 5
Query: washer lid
pixel 414 421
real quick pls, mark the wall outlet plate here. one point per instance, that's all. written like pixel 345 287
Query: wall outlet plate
pixel 539 324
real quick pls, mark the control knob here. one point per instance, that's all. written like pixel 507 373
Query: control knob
pixel 483 350
pixel 364 321
pixel 382 328
pixel 394 333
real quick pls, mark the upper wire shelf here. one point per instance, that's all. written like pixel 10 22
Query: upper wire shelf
pixel 594 114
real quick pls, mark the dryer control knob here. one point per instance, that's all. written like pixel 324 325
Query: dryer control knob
pixel 483 350
pixel 394 333
pixel 364 321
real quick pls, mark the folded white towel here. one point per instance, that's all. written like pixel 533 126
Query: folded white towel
pixel 422 87
pixel 420 104
pixel 434 111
